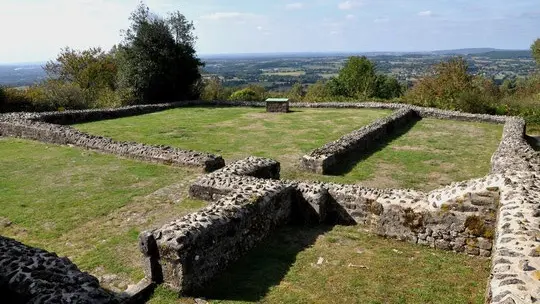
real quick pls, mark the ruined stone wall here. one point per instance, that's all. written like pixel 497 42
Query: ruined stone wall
pixel 31 275
pixel 323 160
pixel 65 135
pixel 187 253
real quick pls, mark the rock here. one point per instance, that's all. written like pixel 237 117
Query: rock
pixel 512 282
pixel 524 265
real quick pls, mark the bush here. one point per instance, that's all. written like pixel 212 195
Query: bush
pixel 246 94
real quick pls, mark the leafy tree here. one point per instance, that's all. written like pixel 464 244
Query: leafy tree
pixel 2 97
pixel 157 61
pixel 535 49
pixel 181 29
pixel 214 90
pixel 89 69
pixel 246 94
pixel 334 88
pixel 317 92
pixel 387 87
pixel 296 93
pixel 358 78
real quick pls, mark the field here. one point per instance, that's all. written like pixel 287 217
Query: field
pixel 87 206
pixel 431 154
pixel 91 207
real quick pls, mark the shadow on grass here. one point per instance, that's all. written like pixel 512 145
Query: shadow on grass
pixel 263 267
pixel 534 141
pixel 349 161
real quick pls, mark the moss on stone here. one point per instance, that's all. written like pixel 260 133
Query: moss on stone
pixel 477 226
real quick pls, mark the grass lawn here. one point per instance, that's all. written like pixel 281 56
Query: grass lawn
pixel 344 265
pixel 87 206
pixel 91 207
pixel 431 154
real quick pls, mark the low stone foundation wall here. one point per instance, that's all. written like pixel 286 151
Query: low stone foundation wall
pixel 65 135
pixel 324 160
pixel 514 153
pixel 187 253
pixel 31 275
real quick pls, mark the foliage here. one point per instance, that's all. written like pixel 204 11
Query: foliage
pixel 357 78
pixel 157 61
pixel 213 89
pixel 317 92
pixel 296 93
pixel 89 69
pixel 2 98
pixel 246 94
pixel 387 87
pixel 535 49
pixel 452 87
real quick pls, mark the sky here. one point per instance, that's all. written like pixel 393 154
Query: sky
pixel 36 30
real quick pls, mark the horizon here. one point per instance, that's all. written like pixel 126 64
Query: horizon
pixel 283 26
pixel 216 55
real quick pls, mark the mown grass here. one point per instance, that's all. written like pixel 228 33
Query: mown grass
pixel 344 265
pixel 431 154
pixel 87 206
pixel 91 207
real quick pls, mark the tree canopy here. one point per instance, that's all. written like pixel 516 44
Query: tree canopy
pixel 535 49
pixel 157 61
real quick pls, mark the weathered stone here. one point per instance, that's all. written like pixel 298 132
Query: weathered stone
pixel 31 275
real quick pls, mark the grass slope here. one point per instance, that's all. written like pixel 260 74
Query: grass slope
pixel 431 154
pixel 87 206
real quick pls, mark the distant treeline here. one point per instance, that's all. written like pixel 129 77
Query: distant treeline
pixel 156 62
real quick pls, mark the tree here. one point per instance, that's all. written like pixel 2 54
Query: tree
pixel 296 93
pixel 358 77
pixel 387 87
pixel 181 28
pixel 317 92
pixel 535 49
pixel 91 69
pixel 246 94
pixel 157 61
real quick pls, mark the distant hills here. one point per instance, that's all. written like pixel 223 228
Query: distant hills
pixel 23 74
pixel 487 52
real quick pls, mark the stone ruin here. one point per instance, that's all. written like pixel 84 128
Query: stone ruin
pixel 496 216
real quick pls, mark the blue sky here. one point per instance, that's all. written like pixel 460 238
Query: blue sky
pixel 35 30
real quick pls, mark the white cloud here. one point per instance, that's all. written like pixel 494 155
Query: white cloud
pixel 350 17
pixel 425 14
pixel 295 6
pixel 350 4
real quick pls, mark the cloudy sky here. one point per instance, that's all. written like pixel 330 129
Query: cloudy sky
pixel 35 30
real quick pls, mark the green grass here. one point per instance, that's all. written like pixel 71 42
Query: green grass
pixel 87 206
pixel 91 208
pixel 356 268
pixel 431 154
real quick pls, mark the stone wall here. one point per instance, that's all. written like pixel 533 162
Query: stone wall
pixel 187 253
pixel 277 106
pixel 65 135
pixel 325 159
pixel 498 215
pixel 31 275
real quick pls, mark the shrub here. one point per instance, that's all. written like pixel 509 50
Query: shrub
pixel 246 94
